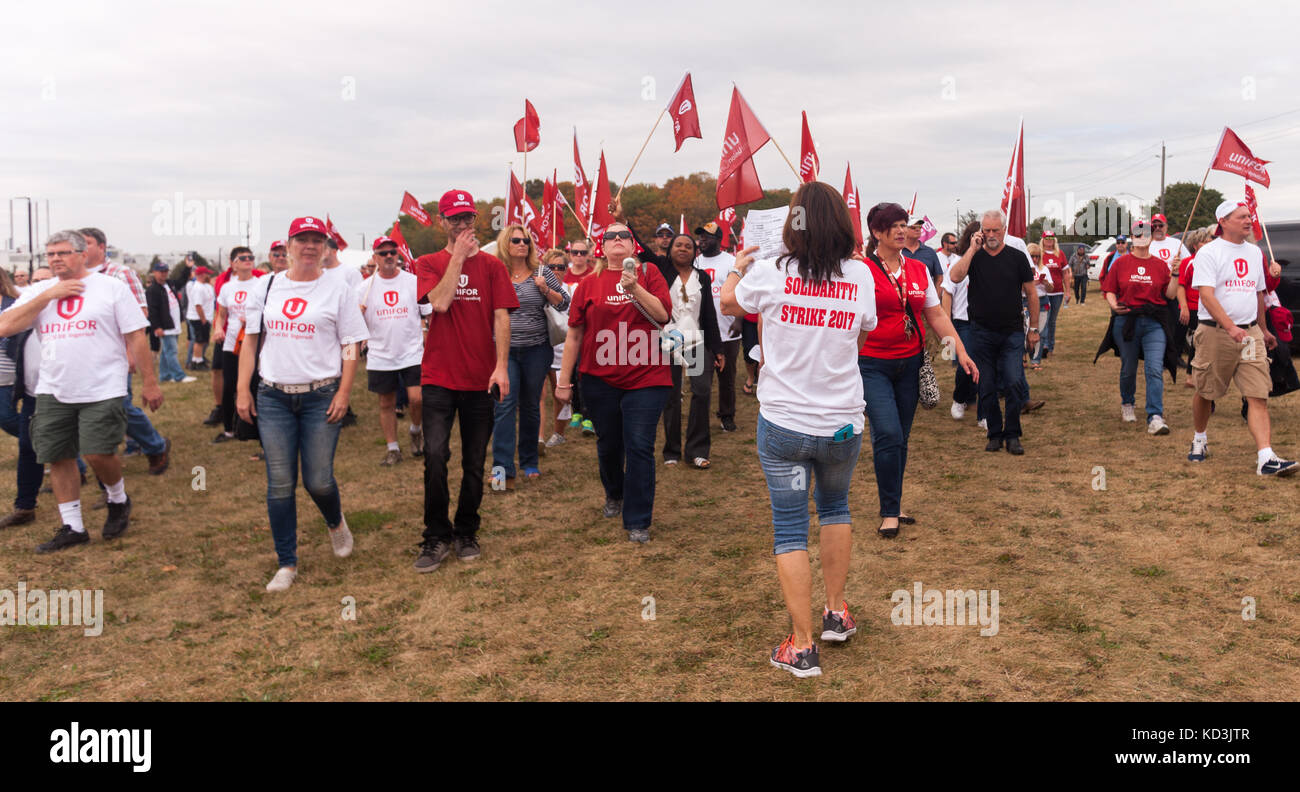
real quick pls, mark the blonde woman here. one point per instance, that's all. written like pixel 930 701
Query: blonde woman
pixel 1042 284
pixel 530 356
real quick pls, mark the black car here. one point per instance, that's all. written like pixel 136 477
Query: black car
pixel 1286 247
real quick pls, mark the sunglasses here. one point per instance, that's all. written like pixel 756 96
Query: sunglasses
pixel 665 234
pixel 244 258
pixel 518 241
pixel 577 252
pixel 387 253
pixel 610 236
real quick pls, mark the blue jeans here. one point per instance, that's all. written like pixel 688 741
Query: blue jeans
pixel 18 424
pixel 789 459
pixel 964 390
pixel 1149 338
pixel 139 431
pixel 527 367
pixel 626 424
pixel 1054 310
pixel 169 368
pixel 999 356
pixel 892 389
pixel 294 427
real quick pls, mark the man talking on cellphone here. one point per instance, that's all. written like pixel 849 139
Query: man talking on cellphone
pixel 464 365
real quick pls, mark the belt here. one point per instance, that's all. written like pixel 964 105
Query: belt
pixel 305 388
pixel 1213 323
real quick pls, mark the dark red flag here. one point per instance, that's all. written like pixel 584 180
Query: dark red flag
pixel 725 218
pixel 851 198
pixel 737 178
pixel 1234 156
pixel 1253 206
pixel 809 165
pixel 527 135
pixel 686 116
pixel 1013 192
pixel 334 234
pixel 402 247
pixel 412 207
pixel 599 216
pixel 580 186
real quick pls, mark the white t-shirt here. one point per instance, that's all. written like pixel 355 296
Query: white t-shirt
pixel 1236 271
pixel 718 266
pixel 83 357
pixel 393 317
pixel 174 307
pixel 1042 278
pixel 810 381
pixel 307 323
pixel 958 292
pixel 234 298
pixel 1170 251
pixel 200 294
pixel 351 275
pixel 946 260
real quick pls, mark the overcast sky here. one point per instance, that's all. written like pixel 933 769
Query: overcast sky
pixel 338 107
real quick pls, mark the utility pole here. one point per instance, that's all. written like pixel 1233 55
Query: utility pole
pixel 1162 177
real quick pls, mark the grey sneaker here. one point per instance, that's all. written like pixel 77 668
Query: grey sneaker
pixel 341 539
pixel 555 439
pixel 467 548
pixel 613 508
pixel 639 535
pixel 392 457
pixel 417 443
pixel 432 553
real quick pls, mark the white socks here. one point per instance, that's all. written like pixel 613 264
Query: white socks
pixel 1264 454
pixel 1200 437
pixel 117 492
pixel 71 515
pixel 393 446
pixel 413 429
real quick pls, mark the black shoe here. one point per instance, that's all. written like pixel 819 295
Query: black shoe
pixel 613 508
pixel 202 365
pixel 838 625
pixel 1014 447
pixel 118 519
pixel 467 548
pixel 994 444
pixel 213 418
pixel 223 438
pixel 64 538
pixel 349 418
pixel 728 425
pixel 432 553
pixel 401 413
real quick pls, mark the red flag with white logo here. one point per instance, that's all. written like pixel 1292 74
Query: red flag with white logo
pixel 851 198
pixel 809 165
pixel 402 247
pixel 527 134
pixel 1013 191
pixel 520 210
pixel 725 218
pixel 1234 156
pixel 551 223
pixel 1253 206
pixel 599 216
pixel 580 185
pixel 412 208
pixel 686 116
pixel 737 178
pixel 334 234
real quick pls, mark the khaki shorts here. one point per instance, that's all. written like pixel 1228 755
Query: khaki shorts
pixel 1219 360
pixel 62 431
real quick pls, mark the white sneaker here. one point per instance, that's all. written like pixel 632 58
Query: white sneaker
pixel 1157 426
pixel 1126 412
pixel 554 440
pixel 189 379
pixel 958 411
pixel 283 579
pixel 341 539
pixel 983 423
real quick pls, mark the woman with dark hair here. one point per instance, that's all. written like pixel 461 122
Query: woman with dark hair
pixel 817 304
pixel 890 361
pixel 692 314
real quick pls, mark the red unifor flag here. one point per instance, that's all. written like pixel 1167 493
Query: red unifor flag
pixel 527 135
pixel 1234 156
pixel 725 218
pixel 1253 206
pixel 737 178
pixel 334 234
pixel 551 223
pixel 1013 192
pixel 412 207
pixel 598 216
pixel 851 198
pixel 686 116
pixel 514 200
pixel 402 247
pixel 809 165
pixel 580 186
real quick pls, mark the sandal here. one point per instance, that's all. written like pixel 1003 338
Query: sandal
pixel 887 533
pixel 701 463
pixel 749 388
pixel 904 519
pixel 532 473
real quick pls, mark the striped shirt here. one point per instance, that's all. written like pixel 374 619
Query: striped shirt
pixel 130 278
pixel 528 322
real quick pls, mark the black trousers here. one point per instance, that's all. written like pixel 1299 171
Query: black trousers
pixel 1080 288
pixel 697 425
pixel 229 384
pixel 441 407
pixel 727 381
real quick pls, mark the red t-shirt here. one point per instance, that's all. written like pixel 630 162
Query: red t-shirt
pixel 459 351
pixel 1056 267
pixel 1135 281
pixel 619 345
pixel 570 278
pixel 888 341
pixel 1185 280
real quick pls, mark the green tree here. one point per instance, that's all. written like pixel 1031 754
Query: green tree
pixel 1178 203
pixel 1099 218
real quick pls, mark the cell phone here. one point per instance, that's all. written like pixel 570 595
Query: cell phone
pixel 495 390
pixel 843 434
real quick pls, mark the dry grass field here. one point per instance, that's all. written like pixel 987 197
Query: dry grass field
pixel 1131 593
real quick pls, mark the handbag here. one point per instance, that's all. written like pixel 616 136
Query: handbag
pixel 557 321
pixel 244 430
pixel 928 383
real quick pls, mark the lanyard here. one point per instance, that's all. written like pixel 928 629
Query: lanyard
pixel 908 325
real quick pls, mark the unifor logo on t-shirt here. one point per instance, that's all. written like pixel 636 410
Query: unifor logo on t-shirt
pixel 294 307
pixel 390 298
pixel 1142 270
pixel 240 296
pixel 464 280
pixel 1164 252
pixel 1242 267
pixel 618 287
pixel 69 307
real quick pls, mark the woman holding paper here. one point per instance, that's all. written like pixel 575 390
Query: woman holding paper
pixel 817 306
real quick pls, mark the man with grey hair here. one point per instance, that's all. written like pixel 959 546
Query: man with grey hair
pixel 86 322
pixel 139 430
pixel 999 274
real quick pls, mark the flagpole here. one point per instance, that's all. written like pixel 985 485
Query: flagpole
pixel 639 153
pixel 1195 202
pixel 1267 243
pixel 787 160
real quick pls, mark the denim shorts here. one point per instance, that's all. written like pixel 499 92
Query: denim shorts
pixel 789 460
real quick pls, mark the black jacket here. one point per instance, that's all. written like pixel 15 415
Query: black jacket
pixel 160 313
pixel 1157 312
pixel 708 314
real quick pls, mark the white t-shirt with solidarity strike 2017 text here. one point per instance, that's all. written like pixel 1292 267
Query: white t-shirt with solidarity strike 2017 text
pixel 1236 271
pixel 810 381
pixel 83 356
pixel 1170 251
pixel 197 294
pixel 306 325
pixel 234 298
pixel 393 317
pixel 718 266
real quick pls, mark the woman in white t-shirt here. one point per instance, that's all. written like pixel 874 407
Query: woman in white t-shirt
pixel 1042 285
pixel 227 329
pixel 312 325
pixel 817 306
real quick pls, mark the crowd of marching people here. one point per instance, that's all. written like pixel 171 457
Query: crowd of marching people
pixel 835 336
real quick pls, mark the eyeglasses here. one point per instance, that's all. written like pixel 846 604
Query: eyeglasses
pixel 278 254
pixel 60 253
pixel 664 234
pixel 610 236
pixel 464 218
pixel 518 241
pixel 244 258
pixel 387 253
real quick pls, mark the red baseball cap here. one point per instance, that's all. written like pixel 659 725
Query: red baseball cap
pixel 279 243
pixel 1159 218
pixel 1049 233
pixel 305 225
pixel 382 240
pixel 454 202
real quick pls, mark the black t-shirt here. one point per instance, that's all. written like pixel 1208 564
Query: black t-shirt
pixel 996 285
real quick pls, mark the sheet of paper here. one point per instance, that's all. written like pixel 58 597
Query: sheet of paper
pixel 763 227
